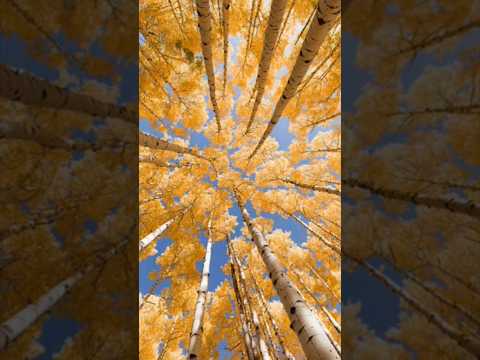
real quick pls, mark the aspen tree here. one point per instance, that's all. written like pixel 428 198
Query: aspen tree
pixel 197 326
pixel 25 88
pixel 154 143
pixel 247 337
pixel 325 15
pixel 310 332
pixel 16 325
pixel 470 209
pixel 205 28
pixel 226 28
pixel 277 9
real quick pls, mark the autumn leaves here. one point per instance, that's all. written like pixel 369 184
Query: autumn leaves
pixel 326 13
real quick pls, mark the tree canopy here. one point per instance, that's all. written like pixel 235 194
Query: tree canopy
pixel 239 111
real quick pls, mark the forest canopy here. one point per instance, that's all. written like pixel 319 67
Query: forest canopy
pixel 240 128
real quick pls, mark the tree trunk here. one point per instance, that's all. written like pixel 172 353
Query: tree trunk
pixel 277 8
pixel 16 325
pixel 153 235
pixel 247 337
pixel 469 208
pixel 205 27
pixel 313 187
pixel 29 90
pixel 282 351
pixel 197 326
pixel 326 14
pixel 332 320
pixel 260 343
pixel 468 343
pixel 226 25
pixel 154 143
pixel 310 331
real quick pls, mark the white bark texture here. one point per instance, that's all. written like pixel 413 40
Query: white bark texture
pixel 310 331
pixel 153 235
pixel 154 143
pixel 197 326
pixel 467 208
pixel 277 8
pixel 29 90
pixel 247 337
pixel 282 352
pixel 153 160
pixel 313 187
pixel 469 343
pixel 205 27
pixel 326 13
pixel 259 341
pixel 17 324
pixel 226 26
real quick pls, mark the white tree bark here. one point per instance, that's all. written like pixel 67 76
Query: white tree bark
pixel 467 208
pixel 205 27
pixel 197 326
pixel 327 12
pixel 282 351
pixel 25 88
pixel 277 8
pixel 17 324
pixel 153 235
pixel 310 331
pixel 247 338
pixel 226 26
pixel 313 187
pixel 159 144
pixel 468 343
pixel 261 343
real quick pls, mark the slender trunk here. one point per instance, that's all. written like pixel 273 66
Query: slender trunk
pixel 147 240
pixel 313 187
pixel 29 90
pixel 310 331
pixel 326 14
pixel 336 149
pixel 44 137
pixel 334 247
pixel 197 326
pixel 22 320
pixel 282 351
pixel 154 143
pixel 277 8
pixel 317 275
pixel 433 40
pixel 452 205
pixel 205 27
pixel 153 160
pixel 247 338
pixel 468 343
pixel 260 343
pixel 226 25
pixel 284 25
